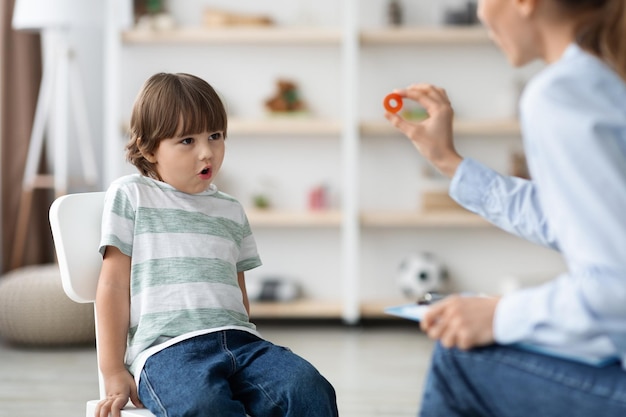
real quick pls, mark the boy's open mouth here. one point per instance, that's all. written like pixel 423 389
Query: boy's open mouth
pixel 206 173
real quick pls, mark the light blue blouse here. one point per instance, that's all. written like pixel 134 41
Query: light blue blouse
pixel 573 118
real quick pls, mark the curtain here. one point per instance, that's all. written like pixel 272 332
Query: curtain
pixel 19 86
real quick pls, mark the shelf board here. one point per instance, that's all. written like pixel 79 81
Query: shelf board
pixel 235 35
pixel 279 218
pixel 309 309
pixel 425 35
pixel 441 218
pixel 273 35
pixel 332 218
pixel 502 127
pixel 284 126
pixel 316 309
pixel 375 309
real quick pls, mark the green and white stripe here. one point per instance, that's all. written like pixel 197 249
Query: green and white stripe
pixel 185 253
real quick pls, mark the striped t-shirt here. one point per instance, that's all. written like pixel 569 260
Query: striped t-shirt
pixel 186 250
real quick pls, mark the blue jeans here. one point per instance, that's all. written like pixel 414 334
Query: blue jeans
pixel 503 381
pixel 231 373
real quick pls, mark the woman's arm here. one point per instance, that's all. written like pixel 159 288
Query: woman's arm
pixel 113 317
pixel 508 202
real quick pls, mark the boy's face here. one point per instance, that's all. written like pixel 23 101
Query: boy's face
pixel 189 163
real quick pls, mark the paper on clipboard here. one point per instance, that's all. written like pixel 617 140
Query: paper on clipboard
pixel 411 311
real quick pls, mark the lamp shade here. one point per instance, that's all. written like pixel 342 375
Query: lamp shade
pixel 44 14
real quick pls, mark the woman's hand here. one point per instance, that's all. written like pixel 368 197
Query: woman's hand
pixel 433 136
pixel 461 321
pixel 119 388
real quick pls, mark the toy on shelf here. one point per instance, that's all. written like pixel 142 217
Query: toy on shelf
pixel 262 197
pixel 464 15
pixel 438 200
pixel 219 18
pixel 273 290
pixel 395 13
pixel 318 198
pixel 420 274
pixel 261 201
pixel 151 15
pixel 144 7
pixel 519 168
pixel 286 100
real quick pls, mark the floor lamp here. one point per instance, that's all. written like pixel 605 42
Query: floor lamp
pixel 60 94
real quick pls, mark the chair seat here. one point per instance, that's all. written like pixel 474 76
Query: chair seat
pixel 127 412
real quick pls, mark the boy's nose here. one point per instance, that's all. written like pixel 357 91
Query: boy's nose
pixel 205 152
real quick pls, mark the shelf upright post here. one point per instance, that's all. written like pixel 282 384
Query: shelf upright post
pixel 350 168
pixel 117 15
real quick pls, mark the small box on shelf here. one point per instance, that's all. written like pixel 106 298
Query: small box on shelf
pixel 435 200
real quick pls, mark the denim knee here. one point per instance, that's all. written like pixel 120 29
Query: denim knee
pixel 508 382
pixel 307 392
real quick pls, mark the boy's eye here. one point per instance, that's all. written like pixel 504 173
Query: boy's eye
pixel 187 141
pixel 215 136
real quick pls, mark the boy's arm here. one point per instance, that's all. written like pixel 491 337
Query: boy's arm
pixel 242 284
pixel 113 317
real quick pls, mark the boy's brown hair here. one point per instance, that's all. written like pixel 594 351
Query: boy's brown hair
pixel 167 106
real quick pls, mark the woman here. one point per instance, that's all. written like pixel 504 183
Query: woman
pixel 537 351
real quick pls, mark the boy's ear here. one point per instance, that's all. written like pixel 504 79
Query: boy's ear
pixel 527 7
pixel 149 156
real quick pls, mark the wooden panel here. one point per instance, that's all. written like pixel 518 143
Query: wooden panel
pixel 267 218
pixel 235 35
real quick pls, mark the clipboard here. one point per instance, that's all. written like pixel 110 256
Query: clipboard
pixel 411 311
pixel 415 312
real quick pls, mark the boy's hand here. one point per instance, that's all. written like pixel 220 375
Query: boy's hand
pixel 119 388
pixel 461 321
pixel 433 137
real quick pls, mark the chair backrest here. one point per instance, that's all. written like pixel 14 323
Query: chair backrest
pixel 75 220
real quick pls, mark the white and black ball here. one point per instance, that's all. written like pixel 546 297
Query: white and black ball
pixel 420 273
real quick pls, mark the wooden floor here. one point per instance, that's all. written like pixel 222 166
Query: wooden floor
pixel 376 368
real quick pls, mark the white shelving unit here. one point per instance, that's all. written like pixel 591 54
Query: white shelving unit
pixel 327 245
pixel 285 127
pixel 237 35
pixel 421 36
pixel 462 128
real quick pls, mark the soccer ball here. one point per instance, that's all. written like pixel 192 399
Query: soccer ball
pixel 420 273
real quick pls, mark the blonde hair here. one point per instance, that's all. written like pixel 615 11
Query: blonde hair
pixel 603 30
pixel 171 105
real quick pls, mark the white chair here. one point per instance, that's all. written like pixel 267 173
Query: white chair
pixel 75 221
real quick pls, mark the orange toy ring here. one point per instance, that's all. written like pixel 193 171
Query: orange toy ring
pixel 393 102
